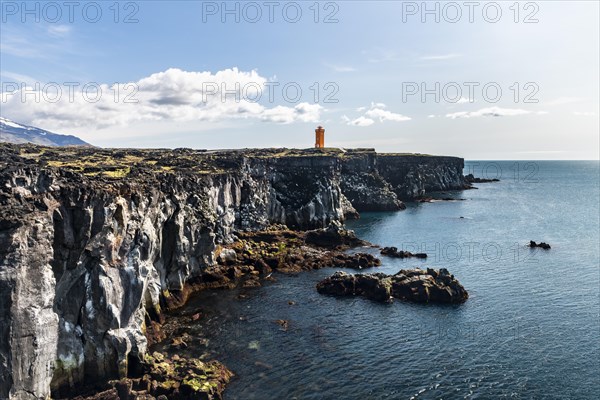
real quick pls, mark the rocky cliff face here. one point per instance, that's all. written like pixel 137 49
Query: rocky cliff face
pixel 364 186
pixel 92 241
pixel 412 175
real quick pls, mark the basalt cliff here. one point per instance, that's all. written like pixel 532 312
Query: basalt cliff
pixel 93 242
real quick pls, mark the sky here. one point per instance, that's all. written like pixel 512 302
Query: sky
pixel 479 80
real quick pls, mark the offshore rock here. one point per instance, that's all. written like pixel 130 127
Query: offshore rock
pixel 472 179
pixel 542 245
pixel 395 253
pixel 430 286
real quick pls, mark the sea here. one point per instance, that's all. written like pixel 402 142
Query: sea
pixel 529 330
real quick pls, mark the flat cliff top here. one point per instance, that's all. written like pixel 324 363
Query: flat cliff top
pixel 115 164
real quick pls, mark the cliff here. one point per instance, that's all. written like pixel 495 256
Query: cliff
pixel 92 241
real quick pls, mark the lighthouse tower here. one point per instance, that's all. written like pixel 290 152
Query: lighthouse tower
pixel 319 137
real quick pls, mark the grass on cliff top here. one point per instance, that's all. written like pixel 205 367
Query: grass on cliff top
pixel 405 155
pixel 285 152
pixel 96 162
pixel 118 163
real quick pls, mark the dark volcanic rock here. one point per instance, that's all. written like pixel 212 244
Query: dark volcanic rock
pixel 393 252
pixel 414 175
pixel 471 179
pixel 542 245
pixel 167 378
pixel 334 237
pixel 431 286
pixel 291 252
pixel 363 185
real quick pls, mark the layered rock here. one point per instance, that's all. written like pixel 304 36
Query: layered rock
pixel 412 176
pixel 93 242
pixel 430 286
pixel 362 184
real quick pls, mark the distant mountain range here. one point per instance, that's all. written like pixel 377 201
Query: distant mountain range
pixel 13 132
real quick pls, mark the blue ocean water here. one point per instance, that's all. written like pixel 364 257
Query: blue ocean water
pixel 530 329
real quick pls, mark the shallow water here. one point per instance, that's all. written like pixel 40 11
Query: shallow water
pixel 530 328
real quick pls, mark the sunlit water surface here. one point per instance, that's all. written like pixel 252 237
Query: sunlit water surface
pixel 530 328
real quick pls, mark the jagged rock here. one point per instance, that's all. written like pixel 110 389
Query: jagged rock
pixel 393 252
pixel 542 245
pixel 168 378
pixel 364 187
pixel 334 236
pixel 431 286
pixel 227 256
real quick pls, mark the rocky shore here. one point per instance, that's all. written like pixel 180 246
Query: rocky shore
pixel 163 378
pixel 429 286
pixel 97 244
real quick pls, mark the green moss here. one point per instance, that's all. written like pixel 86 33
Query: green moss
pixel 199 385
pixel 117 174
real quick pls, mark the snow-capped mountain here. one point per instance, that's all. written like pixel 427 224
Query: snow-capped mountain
pixel 13 132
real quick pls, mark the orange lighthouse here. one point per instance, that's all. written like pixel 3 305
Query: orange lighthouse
pixel 319 137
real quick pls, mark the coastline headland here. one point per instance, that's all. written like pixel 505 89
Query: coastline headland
pixel 97 244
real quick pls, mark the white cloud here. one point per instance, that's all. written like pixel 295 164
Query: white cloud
pixel 585 113
pixel 377 111
pixel 360 121
pixel 464 100
pixel 170 95
pixel 431 116
pixel 489 112
pixel 303 112
pixel 385 115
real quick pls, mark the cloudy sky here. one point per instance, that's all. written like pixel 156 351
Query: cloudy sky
pixel 482 81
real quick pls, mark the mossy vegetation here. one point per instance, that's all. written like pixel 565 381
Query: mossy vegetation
pixel 118 164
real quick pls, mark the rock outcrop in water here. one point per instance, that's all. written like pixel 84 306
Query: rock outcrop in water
pixel 472 179
pixel 430 286
pixel 94 242
pixel 395 253
pixel 542 245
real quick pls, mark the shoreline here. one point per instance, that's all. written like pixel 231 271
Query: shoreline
pixel 246 263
